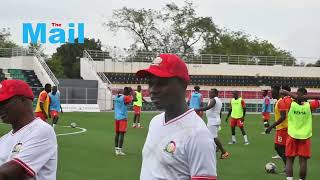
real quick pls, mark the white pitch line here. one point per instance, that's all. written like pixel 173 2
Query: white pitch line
pixel 83 130
pixel 73 133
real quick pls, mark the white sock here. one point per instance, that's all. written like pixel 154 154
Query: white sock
pixel 289 178
pixel 245 138
pixel 234 138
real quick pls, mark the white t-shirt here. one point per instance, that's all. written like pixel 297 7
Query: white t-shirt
pixel 34 147
pixel 213 114
pixel 180 149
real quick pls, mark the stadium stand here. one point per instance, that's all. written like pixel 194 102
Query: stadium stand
pixel 2 76
pixel 26 75
pixel 219 80
pixel 247 74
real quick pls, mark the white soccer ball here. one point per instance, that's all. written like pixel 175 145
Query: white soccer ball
pixel 271 167
pixel 73 125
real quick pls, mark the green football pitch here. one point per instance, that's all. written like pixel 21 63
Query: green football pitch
pixel 90 155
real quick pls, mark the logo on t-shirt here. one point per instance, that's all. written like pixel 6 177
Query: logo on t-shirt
pixel 170 147
pixel 17 148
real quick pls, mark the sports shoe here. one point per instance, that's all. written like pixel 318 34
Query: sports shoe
pixel 134 126
pixel 276 157
pixel 232 142
pixel 263 132
pixel 121 153
pixel 225 155
pixel 246 143
pixel 139 127
pixel 117 151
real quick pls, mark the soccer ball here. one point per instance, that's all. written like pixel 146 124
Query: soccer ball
pixel 73 125
pixel 271 167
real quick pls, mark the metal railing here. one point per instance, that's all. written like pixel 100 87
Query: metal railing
pixel 46 68
pixel 12 52
pixel 98 55
pixel 205 58
pixel 101 75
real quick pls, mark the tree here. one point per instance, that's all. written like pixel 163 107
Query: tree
pixel 140 23
pixel 173 29
pixel 56 67
pixel 179 30
pixel 4 39
pixel 316 64
pixel 32 47
pixel 186 28
pixel 67 57
pixel 240 43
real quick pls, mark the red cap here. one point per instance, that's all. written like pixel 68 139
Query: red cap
pixel 10 88
pixel 167 66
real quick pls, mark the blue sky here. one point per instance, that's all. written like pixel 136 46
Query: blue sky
pixel 289 24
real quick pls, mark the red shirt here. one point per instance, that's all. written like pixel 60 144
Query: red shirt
pixel 43 96
pixel 286 104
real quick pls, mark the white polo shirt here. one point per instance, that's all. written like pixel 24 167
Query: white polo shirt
pixel 213 114
pixel 180 149
pixel 34 147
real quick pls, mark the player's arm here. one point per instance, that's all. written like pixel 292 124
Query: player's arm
pixel 287 93
pixel 210 105
pixel 244 109
pixel 314 105
pixel 134 95
pixel 267 103
pixel 283 116
pixel 188 102
pixel 144 100
pixel 127 99
pixel 49 115
pixel 295 96
pixel 12 171
pixel 200 153
pixel 229 113
pixel 201 101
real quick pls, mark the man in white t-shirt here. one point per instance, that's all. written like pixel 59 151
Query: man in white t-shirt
pixel 178 145
pixel 213 113
pixel 29 150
